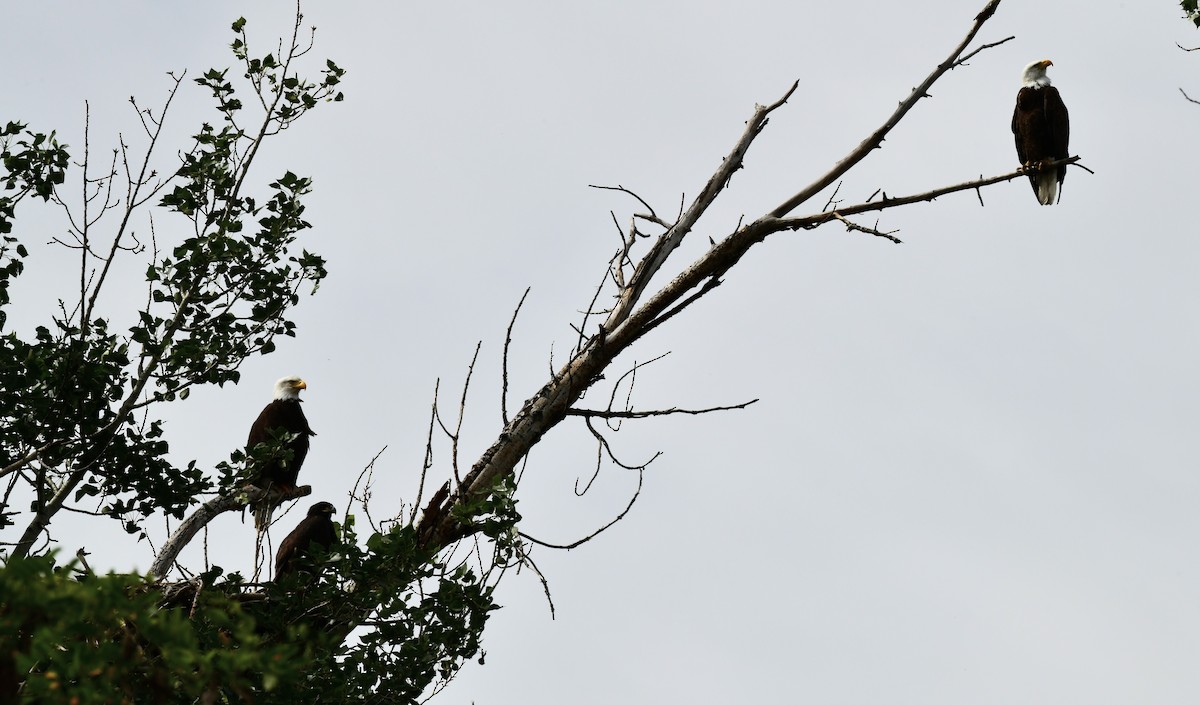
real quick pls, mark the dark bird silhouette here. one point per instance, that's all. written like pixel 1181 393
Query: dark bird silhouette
pixel 281 420
pixel 313 532
pixel 1041 128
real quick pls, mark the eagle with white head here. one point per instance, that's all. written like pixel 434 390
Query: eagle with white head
pixel 1041 128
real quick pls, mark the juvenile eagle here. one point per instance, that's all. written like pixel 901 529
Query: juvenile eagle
pixel 1041 129
pixel 313 532
pixel 282 417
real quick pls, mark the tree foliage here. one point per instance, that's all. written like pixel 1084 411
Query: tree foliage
pixel 104 639
pixel 1191 11
pixel 78 398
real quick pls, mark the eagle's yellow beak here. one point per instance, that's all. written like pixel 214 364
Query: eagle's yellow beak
pixel 301 385
pixel 1046 63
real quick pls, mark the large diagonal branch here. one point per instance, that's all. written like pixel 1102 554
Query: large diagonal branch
pixel 631 318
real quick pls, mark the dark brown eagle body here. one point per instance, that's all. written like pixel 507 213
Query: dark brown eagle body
pixel 315 532
pixel 1041 129
pixel 281 418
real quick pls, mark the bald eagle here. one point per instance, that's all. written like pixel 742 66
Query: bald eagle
pixel 282 421
pixel 1041 129
pixel 315 531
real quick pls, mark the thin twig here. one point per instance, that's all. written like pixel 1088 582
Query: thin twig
pixel 597 532
pixel 855 227
pixel 652 217
pixel 428 462
pixel 601 414
pixel 526 559
pixel 504 359
pixel 462 412
pixel 367 472
pixel 964 59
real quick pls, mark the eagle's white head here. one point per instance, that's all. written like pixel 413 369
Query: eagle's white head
pixel 289 387
pixel 1035 76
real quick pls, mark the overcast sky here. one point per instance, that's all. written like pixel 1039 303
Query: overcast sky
pixel 971 477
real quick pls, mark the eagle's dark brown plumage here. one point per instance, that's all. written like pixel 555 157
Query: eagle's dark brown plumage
pixel 314 532
pixel 1041 128
pixel 282 416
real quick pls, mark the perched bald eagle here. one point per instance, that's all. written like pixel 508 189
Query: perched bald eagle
pixel 281 420
pixel 313 532
pixel 1041 129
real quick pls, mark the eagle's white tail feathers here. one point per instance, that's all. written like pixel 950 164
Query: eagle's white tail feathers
pixel 1047 187
pixel 262 515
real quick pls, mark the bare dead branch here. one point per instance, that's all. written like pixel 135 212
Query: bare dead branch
pixel 631 374
pixel 967 56
pixel 875 140
pixel 603 448
pixel 652 217
pixel 886 202
pixel 596 470
pixel 634 316
pixel 832 200
pixel 850 226
pixel 709 285
pixel 601 414
pixel 607 447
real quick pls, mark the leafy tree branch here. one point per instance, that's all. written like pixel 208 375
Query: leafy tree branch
pixel 214 297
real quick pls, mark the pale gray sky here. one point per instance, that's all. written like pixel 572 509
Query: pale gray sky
pixel 972 474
